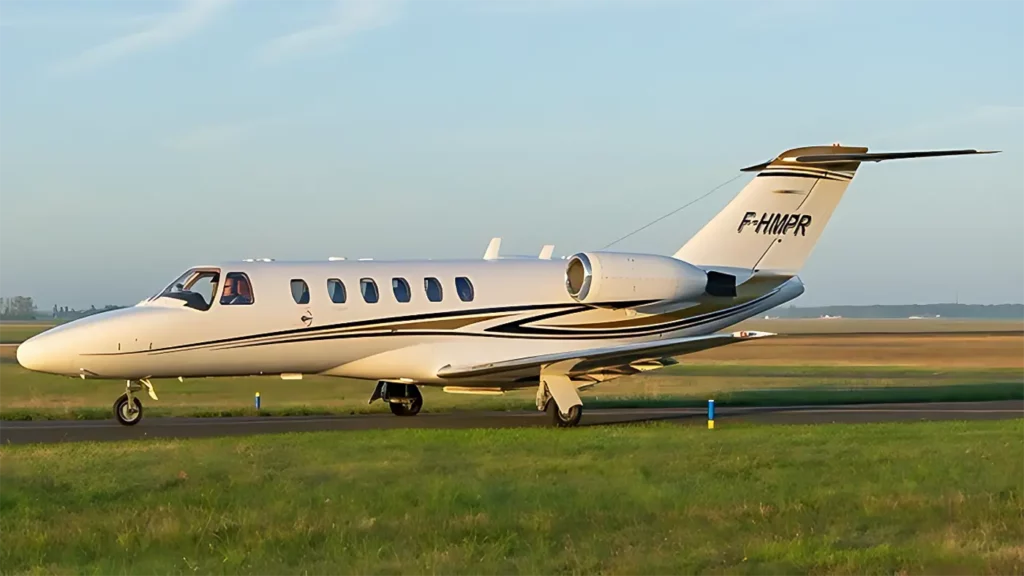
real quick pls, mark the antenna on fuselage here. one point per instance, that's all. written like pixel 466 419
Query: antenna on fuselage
pixel 546 252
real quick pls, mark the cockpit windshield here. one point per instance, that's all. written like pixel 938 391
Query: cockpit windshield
pixel 195 287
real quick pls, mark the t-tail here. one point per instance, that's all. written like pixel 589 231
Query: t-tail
pixel 775 221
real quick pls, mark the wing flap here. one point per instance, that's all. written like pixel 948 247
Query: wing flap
pixel 610 356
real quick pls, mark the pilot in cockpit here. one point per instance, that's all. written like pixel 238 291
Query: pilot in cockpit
pixel 236 290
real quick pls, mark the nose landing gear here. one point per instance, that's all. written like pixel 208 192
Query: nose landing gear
pixel 127 408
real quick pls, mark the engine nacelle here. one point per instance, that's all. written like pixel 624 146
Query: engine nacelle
pixel 611 278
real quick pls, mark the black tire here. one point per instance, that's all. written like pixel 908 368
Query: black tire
pixel 410 409
pixel 122 414
pixel 575 413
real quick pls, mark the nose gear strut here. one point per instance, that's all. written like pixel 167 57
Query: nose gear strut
pixel 128 408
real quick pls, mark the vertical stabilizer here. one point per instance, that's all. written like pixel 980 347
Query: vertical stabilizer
pixel 775 221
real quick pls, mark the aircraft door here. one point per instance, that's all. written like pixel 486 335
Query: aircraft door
pixel 300 294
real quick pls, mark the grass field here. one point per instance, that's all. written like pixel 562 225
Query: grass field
pixel 783 369
pixel 638 499
pixel 14 332
pixel 908 498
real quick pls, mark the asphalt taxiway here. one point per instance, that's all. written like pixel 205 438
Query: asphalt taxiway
pixel 48 431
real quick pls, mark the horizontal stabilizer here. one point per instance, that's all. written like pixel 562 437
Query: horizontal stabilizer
pixel 606 357
pixel 863 157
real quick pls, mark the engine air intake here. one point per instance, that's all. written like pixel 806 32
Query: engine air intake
pixel 613 279
pixel 577 276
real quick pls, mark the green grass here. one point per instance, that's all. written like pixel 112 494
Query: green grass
pixel 917 498
pixel 800 370
pixel 17 332
pixel 26 395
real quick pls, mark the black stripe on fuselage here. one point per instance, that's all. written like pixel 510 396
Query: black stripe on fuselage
pixel 517 327
pixel 514 329
pixel 522 332
pixel 554 334
pixel 369 323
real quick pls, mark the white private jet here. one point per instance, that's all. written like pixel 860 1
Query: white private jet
pixel 473 326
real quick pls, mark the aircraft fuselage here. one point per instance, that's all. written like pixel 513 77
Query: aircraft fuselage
pixel 517 307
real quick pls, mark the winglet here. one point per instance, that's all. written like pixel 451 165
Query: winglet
pixel 492 249
pixel 546 252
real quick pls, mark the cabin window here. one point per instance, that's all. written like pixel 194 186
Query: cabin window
pixel 465 288
pixel 300 291
pixel 237 290
pixel 369 289
pixel 401 289
pixel 433 289
pixel 336 290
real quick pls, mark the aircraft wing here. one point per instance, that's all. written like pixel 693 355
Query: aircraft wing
pixel 593 359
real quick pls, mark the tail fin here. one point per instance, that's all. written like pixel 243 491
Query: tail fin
pixel 775 221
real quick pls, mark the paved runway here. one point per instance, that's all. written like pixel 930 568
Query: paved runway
pixel 106 430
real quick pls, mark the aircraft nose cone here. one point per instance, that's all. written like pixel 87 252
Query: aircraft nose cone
pixel 30 354
pixel 42 354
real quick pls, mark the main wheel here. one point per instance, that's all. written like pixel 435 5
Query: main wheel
pixel 410 409
pixel 558 419
pixel 128 413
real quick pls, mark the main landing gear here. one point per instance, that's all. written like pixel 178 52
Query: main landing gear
pixel 403 399
pixel 557 396
pixel 127 408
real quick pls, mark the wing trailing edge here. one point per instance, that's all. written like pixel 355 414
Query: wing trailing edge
pixel 593 359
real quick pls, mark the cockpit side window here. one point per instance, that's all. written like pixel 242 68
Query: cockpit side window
pixel 197 288
pixel 300 291
pixel 237 290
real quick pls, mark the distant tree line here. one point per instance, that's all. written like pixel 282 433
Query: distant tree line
pixel 23 308
pixel 17 308
pixel 961 311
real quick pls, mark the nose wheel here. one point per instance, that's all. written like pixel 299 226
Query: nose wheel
pixel 128 408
